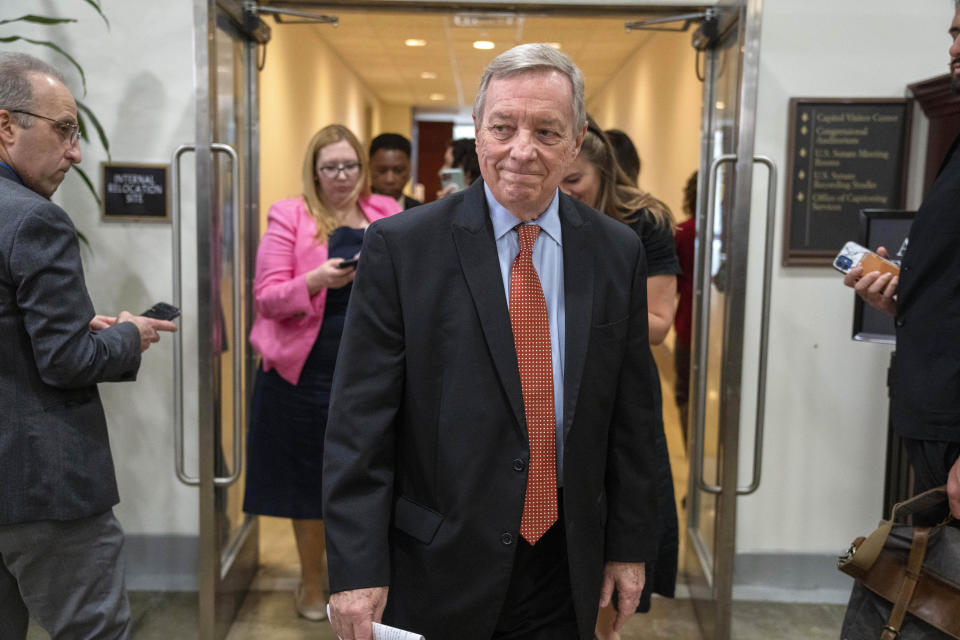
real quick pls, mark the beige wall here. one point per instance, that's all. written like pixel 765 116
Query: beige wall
pixel 395 118
pixel 304 87
pixel 656 99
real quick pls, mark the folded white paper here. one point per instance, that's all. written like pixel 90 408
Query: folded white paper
pixel 386 632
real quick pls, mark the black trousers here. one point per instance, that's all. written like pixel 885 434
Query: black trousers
pixel 539 602
pixel 931 461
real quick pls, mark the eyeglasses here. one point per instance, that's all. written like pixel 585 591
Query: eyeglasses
pixel 69 131
pixel 333 170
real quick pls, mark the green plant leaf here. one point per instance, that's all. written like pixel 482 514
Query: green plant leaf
pixel 96 125
pixel 45 43
pixel 96 5
pixel 38 20
pixel 83 240
pixel 86 180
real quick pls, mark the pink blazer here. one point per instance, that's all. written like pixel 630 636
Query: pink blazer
pixel 288 319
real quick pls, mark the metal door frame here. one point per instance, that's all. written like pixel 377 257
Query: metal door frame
pixel 221 591
pixel 717 614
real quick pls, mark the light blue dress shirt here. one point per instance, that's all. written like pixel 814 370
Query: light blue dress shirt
pixel 548 261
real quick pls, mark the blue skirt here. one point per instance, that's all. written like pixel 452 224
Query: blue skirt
pixel 285 438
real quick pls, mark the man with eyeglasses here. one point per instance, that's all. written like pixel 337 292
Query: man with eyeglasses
pixel 60 544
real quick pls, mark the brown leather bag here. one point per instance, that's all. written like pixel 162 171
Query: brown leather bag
pixel 916 569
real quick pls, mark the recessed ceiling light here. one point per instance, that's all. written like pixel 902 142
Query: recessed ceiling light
pixel 483 44
pixel 555 45
pixel 428 75
pixel 415 42
pixel 437 96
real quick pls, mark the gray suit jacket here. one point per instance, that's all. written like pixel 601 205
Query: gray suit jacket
pixel 55 458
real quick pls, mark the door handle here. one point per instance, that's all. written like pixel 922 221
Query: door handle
pixel 703 323
pixel 178 421
pixel 764 325
pixel 226 481
pixel 177 335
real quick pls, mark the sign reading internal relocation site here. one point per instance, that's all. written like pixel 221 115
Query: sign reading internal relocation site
pixel 842 156
pixel 135 191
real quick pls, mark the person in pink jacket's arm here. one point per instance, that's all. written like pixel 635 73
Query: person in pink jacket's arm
pixel 305 268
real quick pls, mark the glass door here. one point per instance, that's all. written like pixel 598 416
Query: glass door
pixel 730 67
pixel 227 234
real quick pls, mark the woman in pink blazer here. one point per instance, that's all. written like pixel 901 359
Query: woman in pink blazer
pixel 302 286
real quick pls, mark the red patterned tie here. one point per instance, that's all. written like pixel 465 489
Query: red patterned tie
pixel 531 336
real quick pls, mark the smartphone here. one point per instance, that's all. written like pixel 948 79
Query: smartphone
pixel 854 254
pixel 454 177
pixel 162 311
pixel 349 262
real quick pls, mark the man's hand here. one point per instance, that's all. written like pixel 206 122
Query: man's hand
pixel 352 613
pixel 953 489
pixel 99 323
pixel 628 578
pixel 874 288
pixel 149 328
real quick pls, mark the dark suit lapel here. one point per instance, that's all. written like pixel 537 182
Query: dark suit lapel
pixel 476 246
pixel 578 267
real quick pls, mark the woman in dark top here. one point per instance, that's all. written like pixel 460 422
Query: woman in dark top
pixel 596 179
pixel 301 291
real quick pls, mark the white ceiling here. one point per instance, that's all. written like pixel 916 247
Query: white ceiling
pixel 371 43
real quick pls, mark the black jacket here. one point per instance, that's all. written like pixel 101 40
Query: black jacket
pixel 424 465
pixel 925 387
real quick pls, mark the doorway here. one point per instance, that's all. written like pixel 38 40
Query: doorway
pixel 654 96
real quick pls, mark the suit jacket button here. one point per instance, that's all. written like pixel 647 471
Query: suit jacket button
pixel 506 538
pixel 899 321
pixel 519 465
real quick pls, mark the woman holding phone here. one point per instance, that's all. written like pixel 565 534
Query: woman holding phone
pixel 301 291
pixel 597 180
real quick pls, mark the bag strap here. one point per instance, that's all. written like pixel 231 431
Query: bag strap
pixel 868 551
pixel 918 550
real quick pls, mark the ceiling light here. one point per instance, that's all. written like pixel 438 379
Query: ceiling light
pixel 483 44
pixel 415 42
pixel 428 75
pixel 555 45
pixel 437 96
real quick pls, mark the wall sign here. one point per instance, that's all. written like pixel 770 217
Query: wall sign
pixel 135 191
pixel 843 156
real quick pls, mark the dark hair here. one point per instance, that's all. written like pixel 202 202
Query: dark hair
pixel 690 193
pixel 390 142
pixel 465 157
pixel 626 152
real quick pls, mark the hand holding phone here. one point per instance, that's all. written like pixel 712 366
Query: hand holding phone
pixel 877 283
pixel 162 311
pixel 452 177
pixel 853 254
pixel 349 262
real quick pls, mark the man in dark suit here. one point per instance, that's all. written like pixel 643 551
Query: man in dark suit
pixel 925 303
pixel 60 545
pixel 489 452
pixel 390 167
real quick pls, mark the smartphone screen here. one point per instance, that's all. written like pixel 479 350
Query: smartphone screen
pixel 452 176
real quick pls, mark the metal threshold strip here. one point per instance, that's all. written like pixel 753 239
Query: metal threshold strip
pixel 527 8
